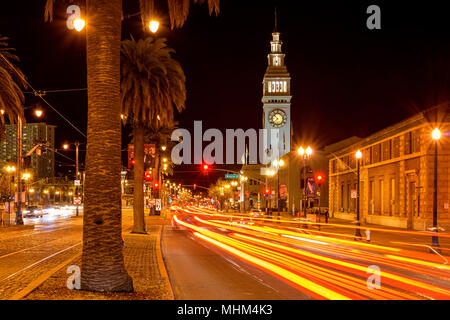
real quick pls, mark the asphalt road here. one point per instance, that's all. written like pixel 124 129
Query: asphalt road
pixel 200 272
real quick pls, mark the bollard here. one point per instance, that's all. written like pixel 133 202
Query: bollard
pixel 367 235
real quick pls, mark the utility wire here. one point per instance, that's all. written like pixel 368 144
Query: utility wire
pixel 40 95
pixel 43 92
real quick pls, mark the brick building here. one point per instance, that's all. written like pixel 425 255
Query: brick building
pixel 397 174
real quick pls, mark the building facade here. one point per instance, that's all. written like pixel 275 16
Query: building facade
pixel 396 174
pixel 277 100
pixel 43 165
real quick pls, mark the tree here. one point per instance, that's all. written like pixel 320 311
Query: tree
pixel 152 84
pixel 102 258
pixel 221 191
pixel 11 81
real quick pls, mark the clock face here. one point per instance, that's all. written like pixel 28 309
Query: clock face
pixel 277 118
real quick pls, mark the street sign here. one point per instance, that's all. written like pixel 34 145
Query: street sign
pixel 152 202
pixel 232 176
pixel 76 183
pixel 158 205
pixel 77 200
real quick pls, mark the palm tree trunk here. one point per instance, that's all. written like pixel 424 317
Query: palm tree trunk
pixel 138 204
pixel 102 259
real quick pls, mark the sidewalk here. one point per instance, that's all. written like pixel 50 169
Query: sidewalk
pixel 142 261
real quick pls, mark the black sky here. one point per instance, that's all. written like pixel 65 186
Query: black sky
pixel 346 80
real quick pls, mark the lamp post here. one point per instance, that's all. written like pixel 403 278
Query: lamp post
pixel 278 164
pixel 436 135
pixel 77 146
pixel 10 170
pixel 305 154
pixel 358 156
pixel 38 113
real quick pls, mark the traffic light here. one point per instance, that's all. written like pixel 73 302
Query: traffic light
pixel 205 168
pixel 148 176
pixel 195 186
pixel 133 162
pixel 319 178
pixel 266 191
pixel 155 185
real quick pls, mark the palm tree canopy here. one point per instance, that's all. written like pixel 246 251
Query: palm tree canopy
pixel 152 82
pixel 11 80
pixel 178 10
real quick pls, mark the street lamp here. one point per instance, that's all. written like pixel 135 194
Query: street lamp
pixel 38 113
pixel 79 24
pixel 305 154
pixel 358 156
pixel 436 135
pixel 77 146
pixel 279 165
pixel 10 170
pixel 153 25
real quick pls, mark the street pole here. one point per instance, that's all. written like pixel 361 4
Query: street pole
pixel 19 219
pixel 77 144
pixel 435 240
pixel 357 230
pixel 305 226
pixel 278 192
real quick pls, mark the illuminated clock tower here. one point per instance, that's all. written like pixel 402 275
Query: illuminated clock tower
pixel 277 99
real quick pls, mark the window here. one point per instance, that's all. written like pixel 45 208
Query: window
pixel 342 196
pixel 381 197
pixel 392 200
pixel 371 202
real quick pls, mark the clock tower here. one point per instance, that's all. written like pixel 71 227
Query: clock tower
pixel 277 100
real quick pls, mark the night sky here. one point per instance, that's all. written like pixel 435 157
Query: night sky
pixel 346 80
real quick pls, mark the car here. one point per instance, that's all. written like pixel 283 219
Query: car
pixel 32 212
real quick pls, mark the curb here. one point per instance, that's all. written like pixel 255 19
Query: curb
pixel 40 280
pixel 161 265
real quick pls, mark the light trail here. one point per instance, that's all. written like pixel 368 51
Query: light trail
pixel 255 244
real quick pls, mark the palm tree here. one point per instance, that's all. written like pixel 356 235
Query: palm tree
pixel 11 81
pixel 102 259
pixel 152 84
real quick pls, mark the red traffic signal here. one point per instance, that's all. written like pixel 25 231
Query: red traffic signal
pixel 205 167
pixel 195 186
pixel 266 191
pixel 133 162
pixel 148 176
pixel 319 178
pixel 155 185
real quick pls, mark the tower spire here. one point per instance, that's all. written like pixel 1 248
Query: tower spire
pixel 276 20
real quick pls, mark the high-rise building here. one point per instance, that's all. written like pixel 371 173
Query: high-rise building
pixel 42 165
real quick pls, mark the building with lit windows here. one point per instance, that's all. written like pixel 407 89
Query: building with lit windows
pixel 43 165
pixel 397 174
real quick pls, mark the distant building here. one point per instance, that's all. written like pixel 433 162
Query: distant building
pixel 42 166
pixel 397 174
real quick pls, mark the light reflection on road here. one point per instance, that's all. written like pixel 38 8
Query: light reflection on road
pixel 326 265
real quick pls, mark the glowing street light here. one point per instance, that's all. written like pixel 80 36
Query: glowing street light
pixel 358 156
pixel 305 154
pixel 79 24
pixel 2 111
pixel 153 25
pixel 38 113
pixel 436 135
